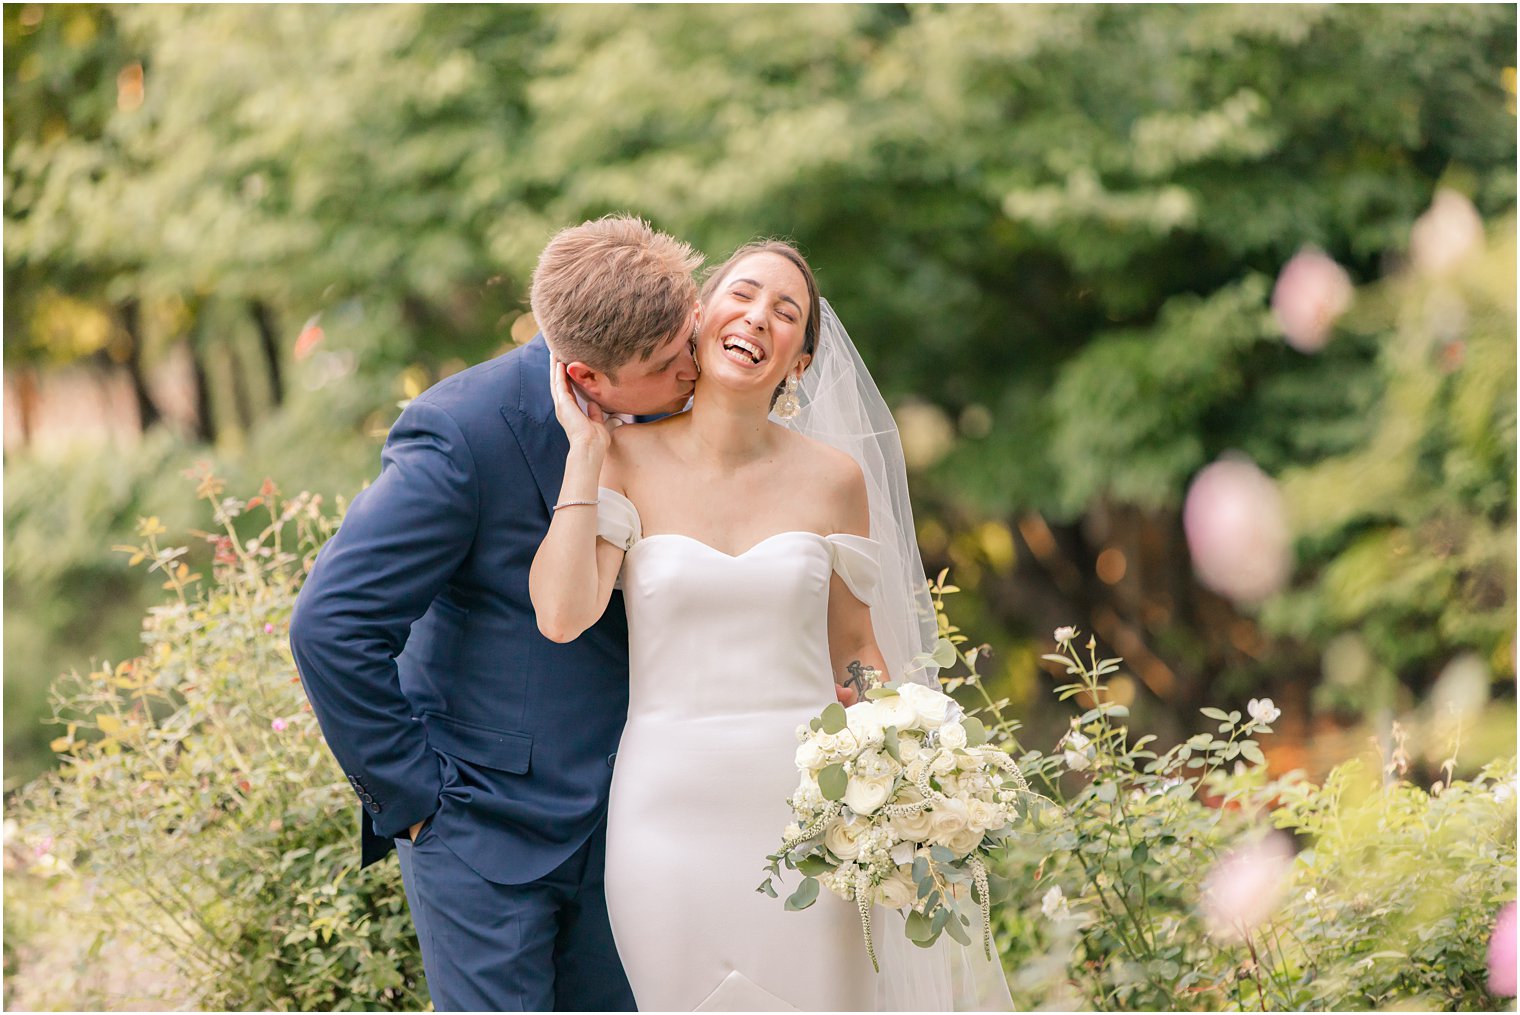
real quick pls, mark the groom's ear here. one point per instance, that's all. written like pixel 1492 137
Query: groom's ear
pixel 583 375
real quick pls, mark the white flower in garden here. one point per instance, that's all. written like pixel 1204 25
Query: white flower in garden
pixel 1263 711
pixel 930 707
pixel 1062 636
pixel 1237 531
pixel 1310 294
pixel 895 710
pixel 1445 234
pixel 843 840
pixel 1075 751
pixel 1053 905
pixel 1243 889
pixel 865 796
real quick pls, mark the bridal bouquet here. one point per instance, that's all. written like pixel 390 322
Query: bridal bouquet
pixel 899 800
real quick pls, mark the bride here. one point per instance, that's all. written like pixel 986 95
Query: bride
pixel 744 548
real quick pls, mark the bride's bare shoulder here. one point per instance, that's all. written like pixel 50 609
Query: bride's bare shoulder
pixel 835 476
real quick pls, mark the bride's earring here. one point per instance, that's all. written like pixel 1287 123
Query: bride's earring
pixel 787 406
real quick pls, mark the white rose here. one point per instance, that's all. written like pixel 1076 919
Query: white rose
pixel 864 721
pixel 984 815
pixel 911 827
pixel 909 748
pixel 828 743
pixel 915 769
pixel 865 796
pixel 951 786
pixel 943 764
pixel 930 707
pixel 946 819
pixel 972 761
pixel 847 744
pixel 952 735
pixel 895 710
pixel 897 890
pixel 842 839
pixel 808 755
pixel 964 841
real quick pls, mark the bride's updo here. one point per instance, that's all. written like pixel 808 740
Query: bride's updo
pixel 783 249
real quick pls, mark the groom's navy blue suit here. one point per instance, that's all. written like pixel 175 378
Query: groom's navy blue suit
pixel 417 644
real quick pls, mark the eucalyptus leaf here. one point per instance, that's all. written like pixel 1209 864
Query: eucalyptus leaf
pixel 833 718
pixel 832 782
pixel 805 895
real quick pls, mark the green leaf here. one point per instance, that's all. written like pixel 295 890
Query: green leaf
pixel 889 743
pixel 1251 752
pixel 815 724
pixel 917 927
pixel 1215 713
pixel 833 718
pixel 805 895
pixel 920 869
pixel 767 888
pixel 1140 853
pixel 877 693
pixel 944 653
pixel 942 853
pixel 976 733
pixel 832 781
pixel 814 865
pixel 954 928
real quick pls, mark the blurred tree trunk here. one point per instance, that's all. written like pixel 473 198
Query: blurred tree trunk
pixel 269 344
pixel 129 312
pixel 205 420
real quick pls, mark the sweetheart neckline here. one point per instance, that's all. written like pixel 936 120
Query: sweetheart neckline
pixel 724 553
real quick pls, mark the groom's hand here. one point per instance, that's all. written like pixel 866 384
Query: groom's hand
pixel 847 695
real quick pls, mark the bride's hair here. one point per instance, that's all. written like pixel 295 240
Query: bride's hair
pixel 791 253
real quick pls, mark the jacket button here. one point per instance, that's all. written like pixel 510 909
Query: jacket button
pixel 611 758
pixel 373 806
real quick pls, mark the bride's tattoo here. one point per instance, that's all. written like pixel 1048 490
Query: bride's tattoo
pixel 862 677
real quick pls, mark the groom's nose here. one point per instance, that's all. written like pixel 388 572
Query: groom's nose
pixel 687 371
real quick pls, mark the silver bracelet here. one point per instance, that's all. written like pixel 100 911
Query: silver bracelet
pixel 576 503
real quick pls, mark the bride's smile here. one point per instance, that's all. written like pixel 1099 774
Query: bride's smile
pixel 753 328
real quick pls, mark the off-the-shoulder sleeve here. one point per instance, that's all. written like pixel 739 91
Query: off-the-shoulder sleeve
pixel 617 520
pixel 857 559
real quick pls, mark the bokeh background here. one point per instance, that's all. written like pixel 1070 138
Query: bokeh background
pixel 1199 322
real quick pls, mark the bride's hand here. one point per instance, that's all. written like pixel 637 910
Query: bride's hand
pixel 586 429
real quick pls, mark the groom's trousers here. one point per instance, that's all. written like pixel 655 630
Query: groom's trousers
pixel 541 946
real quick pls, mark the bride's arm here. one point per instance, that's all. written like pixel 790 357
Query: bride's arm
pixel 571 580
pixel 853 651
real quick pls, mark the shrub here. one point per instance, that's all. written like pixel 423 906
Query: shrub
pixel 197 801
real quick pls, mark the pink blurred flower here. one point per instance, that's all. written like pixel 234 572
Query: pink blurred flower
pixel 269 629
pixel 1237 531
pixel 1448 231
pixel 1245 887
pixel 278 725
pixel 1310 294
pixel 43 848
pixel 1501 954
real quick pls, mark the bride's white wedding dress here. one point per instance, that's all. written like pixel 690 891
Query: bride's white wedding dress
pixel 727 655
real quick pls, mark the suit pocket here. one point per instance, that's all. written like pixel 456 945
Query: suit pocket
pixel 486 746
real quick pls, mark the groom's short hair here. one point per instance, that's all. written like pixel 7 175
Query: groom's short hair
pixel 612 290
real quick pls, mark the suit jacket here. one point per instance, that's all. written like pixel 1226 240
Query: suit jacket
pixel 417 644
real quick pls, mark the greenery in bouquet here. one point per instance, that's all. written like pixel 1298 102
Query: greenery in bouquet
pixel 900 801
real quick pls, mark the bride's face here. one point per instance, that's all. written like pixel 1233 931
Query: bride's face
pixel 753 325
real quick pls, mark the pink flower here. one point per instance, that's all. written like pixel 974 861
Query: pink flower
pixel 1501 954
pixel 278 725
pixel 1244 888
pixel 1237 531
pixel 269 629
pixel 1310 294
pixel 43 848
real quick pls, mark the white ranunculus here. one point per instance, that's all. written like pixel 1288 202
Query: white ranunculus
pixel 946 819
pixel 897 889
pixel 930 706
pixel 864 721
pixel 843 840
pixel 944 763
pixel 952 735
pixel 911 827
pixel 808 755
pixel 964 841
pixel 895 710
pixel 865 796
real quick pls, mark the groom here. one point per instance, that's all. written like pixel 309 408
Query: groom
pixel 481 749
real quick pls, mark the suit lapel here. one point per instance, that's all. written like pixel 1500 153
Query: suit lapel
pixel 529 412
